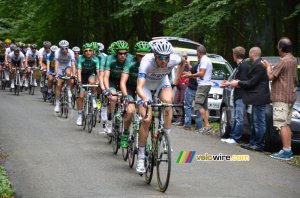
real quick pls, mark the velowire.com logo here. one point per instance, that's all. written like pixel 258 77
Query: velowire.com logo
pixel 187 157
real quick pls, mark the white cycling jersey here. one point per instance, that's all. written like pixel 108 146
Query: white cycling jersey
pixel 64 60
pixel 7 51
pixel 13 57
pixel 30 54
pixel 148 68
pixel 43 53
pixel 156 77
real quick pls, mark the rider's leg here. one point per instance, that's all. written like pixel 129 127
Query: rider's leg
pixel 166 96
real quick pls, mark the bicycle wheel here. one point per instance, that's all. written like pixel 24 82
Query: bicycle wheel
pixel 65 104
pixel 131 150
pixel 109 137
pixel 125 153
pixel 163 160
pixel 149 164
pixel 89 123
pixel 73 99
pixel 17 89
pixel 29 88
pixel 45 91
pixel 89 116
pixel 94 117
pixel 83 120
pixel 114 137
pixel 32 90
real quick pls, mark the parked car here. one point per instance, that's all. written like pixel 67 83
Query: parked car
pixel 272 141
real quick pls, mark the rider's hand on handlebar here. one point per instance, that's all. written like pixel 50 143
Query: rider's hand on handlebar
pixel 107 92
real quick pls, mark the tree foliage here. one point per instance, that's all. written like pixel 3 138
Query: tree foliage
pixel 218 24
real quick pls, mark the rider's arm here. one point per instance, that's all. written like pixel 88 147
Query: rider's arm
pixel 48 66
pixel 41 61
pixel 101 72
pixel 106 73
pixel 123 81
pixel 26 61
pixel 139 89
pixel 73 68
pixel 56 67
pixel 180 69
pixel 101 76
pixel 79 75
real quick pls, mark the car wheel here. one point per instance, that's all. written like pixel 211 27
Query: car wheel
pixel 224 123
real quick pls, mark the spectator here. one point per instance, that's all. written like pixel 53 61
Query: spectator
pixel 283 94
pixel 256 93
pixel 179 95
pixel 238 106
pixel 189 98
pixel 203 75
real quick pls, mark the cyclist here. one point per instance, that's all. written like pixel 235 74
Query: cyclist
pixel 88 71
pixel 2 59
pixel 7 42
pixel 16 59
pixel 76 51
pixel 8 50
pixel 50 69
pixel 110 49
pixel 31 58
pixel 102 59
pixel 115 66
pixel 129 81
pixel 43 52
pixel 101 48
pixel 153 75
pixel 64 59
pixel 23 49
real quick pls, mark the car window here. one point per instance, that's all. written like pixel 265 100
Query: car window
pixel 181 44
pixel 221 71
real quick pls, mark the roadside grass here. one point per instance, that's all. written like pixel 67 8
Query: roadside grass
pixel 5 184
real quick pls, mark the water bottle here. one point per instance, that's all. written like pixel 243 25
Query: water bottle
pixel 104 112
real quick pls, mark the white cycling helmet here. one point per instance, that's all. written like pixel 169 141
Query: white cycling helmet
pixel 53 48
pixel 63 43
pixel 162 47
pixel 101 46
pixel 76 49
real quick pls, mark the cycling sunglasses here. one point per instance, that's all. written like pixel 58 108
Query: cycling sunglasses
pixel 122 53
pixel 64 48
pixel 47 47
pixel 76 52
pixel 88 50
pixel 140 54
pixel 163 57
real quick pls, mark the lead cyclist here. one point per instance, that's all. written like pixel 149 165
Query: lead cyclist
pixel 153 75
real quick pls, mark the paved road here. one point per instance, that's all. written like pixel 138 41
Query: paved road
pixel 52 157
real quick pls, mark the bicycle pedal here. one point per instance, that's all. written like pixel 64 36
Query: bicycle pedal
pixel 140 174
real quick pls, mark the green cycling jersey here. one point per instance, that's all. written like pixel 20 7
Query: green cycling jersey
pixel 88 66
pixel 102 60
pixel 133 72
pixel 116 68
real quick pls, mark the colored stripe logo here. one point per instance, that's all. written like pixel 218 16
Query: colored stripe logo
pixel 181 158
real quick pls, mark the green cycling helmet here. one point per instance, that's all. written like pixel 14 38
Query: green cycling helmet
pixel 110 50
pixel 121 45
pixel 142 46
pixel 87 45
pixel 95 46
